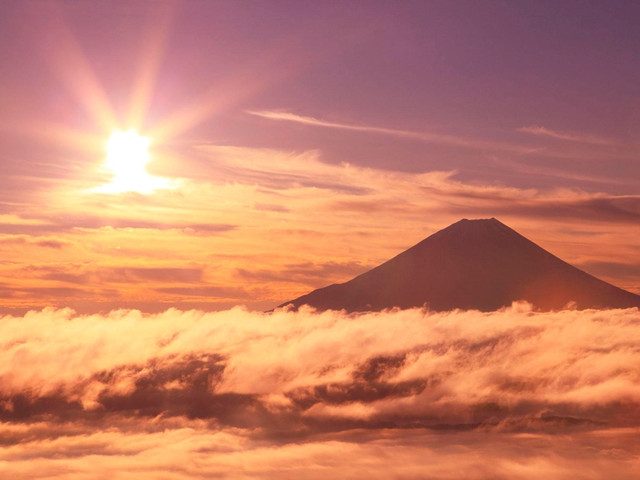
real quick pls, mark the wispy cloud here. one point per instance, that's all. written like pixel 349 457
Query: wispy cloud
pixel 427 137
pixel 570 137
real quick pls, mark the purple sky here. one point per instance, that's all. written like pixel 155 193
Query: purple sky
pixel 476 70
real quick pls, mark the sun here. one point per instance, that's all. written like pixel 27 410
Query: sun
pixel 127 158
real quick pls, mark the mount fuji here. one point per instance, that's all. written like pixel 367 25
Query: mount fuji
pixel 472 264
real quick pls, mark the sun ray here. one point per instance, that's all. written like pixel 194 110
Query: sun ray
pixel 69 63
pixel 152 54
pixel 56 134
pixel 228 92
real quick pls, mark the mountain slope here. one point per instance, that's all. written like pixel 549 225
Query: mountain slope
pixel 472 264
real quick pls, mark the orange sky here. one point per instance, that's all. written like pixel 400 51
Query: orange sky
pixel 279 185
pixel 266 226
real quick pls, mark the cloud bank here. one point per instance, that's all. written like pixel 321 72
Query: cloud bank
pixel 239 394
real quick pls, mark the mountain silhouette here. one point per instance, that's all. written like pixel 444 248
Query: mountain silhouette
pixel 472 264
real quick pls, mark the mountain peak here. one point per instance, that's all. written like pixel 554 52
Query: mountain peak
pixel 482 224
pixel 477 221
pixel 472 264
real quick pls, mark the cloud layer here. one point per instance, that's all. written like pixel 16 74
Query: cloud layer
pixel 509 394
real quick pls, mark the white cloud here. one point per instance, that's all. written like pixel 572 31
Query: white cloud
pixel 571 137
pixel 428 137
pixel 244 394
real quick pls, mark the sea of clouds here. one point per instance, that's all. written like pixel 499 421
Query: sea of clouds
pixel 512 394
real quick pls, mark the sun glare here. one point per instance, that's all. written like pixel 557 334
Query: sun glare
pixel 127 158
pixel 127 151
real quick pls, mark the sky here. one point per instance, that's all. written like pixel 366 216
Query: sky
pixel 295 144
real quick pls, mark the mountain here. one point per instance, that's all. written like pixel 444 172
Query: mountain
pixel 472 264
